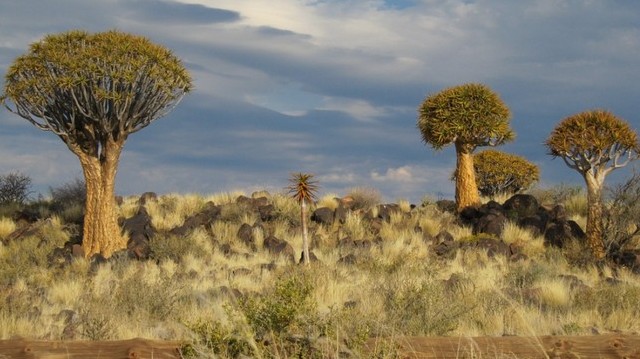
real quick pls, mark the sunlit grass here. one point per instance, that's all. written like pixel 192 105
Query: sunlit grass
pixel 7 226
pixel 206 273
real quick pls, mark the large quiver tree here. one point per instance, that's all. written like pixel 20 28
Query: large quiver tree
pixel 467 116
pixel 594 143
pixel 93 91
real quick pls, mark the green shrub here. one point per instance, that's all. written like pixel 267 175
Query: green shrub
pixel 422 308
pixel 217 339
pixel 281 307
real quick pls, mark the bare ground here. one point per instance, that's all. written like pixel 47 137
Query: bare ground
pixel 598 346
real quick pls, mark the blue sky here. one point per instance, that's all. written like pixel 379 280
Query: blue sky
pixel 332 86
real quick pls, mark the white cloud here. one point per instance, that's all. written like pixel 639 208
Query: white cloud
pixel 401 174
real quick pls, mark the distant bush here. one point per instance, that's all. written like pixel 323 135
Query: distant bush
pixel 364 197
pixel 622 217
pixel 500 173
pixel 68 194
pixel 15 187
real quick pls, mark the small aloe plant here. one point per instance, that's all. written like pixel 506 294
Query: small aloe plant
pixel 303 188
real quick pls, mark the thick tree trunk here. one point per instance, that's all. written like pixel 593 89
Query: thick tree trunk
pixel 101 233
pixel 595 238
pixel 305 232
pixel 466 186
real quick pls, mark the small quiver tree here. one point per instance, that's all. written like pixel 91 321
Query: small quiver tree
pixel 501 173
pixel 594 143
pixel 467 116
pixel 303 189
pixel 93 91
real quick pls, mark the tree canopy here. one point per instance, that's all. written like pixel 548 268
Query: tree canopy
pixel 88 87
pixel 592 140
pixel 499 172
pixel 472 114
pixel 594 143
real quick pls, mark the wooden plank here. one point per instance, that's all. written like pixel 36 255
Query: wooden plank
pixel 597 346
pixel 562 347
pixel 125 349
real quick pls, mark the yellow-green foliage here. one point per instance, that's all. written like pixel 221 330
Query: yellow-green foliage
pixel 592 139
pixel 499 172
pixel 80 74
pixel 470 114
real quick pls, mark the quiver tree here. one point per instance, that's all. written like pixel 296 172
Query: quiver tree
pixel 93 91
pixel 467 116
pixel 303 189
pixel 499 173
pixel 594 143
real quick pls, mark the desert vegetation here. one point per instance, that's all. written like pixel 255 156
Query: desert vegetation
pixel 222 273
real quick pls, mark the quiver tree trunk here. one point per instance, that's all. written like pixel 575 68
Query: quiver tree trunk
pixel 466 186
pixel 305 233
pixel 101 232
pixel 594 230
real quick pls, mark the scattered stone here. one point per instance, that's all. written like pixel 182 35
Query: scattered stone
pixel 147 197
pixel 278 247
pixel 446 205
pixel 348 259
pixel 312 257
pixel 267 212
pixel 558 233
pixel 386 210
pixel 207 216
pixel 245 234
pixel 323 215
pixel 520 206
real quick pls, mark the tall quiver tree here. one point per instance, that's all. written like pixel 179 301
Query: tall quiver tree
pixel 303 189
pixel 594 143
pixel 467 116
pixel 93 91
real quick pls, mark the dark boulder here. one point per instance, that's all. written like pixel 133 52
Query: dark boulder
pixel 312 258
pixel 279 247
pixel 386 210
pixel 520 206
pixel 340 214
pixel 490 223
pixel 267 212
pixel 147 197
pixel 446 205
pixel 207 216
pixel 443 236
pixel 323 215
pixel 493 247
pixel 245 234
pixel 348 259
pixel 140 231
pixel 560 232
pixel 535 224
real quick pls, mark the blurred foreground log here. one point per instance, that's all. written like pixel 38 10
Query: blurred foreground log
pixel 596 346
pixel 125 349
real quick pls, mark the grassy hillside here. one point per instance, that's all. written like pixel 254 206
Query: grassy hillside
pixel 377 274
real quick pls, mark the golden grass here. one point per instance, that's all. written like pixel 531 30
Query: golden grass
pixel 329 200
pixel 498 296
pixel 7 226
